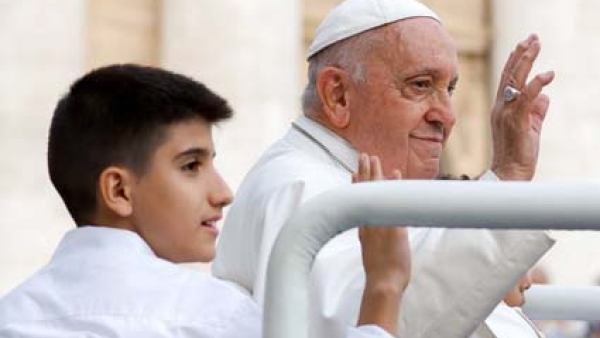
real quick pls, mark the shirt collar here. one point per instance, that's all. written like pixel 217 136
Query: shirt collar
pixel 338 147
pixel 99 238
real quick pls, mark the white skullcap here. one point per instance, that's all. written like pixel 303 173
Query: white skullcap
pixel 353 17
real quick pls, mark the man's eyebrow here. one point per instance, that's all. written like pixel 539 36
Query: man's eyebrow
pixel 434 72
pixel 196 152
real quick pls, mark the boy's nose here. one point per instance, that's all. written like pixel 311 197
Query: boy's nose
pixel 221 195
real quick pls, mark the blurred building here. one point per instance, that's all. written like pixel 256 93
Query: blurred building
pixel 252 52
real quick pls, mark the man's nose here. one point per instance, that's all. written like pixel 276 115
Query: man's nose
pixel 441 110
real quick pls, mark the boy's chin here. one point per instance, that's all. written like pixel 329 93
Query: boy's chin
pixel 206 255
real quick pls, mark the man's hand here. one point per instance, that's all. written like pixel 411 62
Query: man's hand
pixel 386 259
pixel 517 124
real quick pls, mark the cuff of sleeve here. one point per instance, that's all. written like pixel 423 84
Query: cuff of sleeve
pixel 489 176
pixel 368 331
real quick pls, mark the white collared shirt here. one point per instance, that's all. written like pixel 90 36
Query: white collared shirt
pixel 458 275
pixel 105 282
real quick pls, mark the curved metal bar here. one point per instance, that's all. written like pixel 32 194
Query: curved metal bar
pixel 562 302
pixel 506 205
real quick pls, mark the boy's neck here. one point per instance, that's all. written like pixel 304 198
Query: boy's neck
pixel 105 218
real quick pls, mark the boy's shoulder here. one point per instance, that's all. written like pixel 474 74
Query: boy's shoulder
pixel 120 285
pixel 196 303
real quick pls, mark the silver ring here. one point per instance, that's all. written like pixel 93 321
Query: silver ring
pixel 510 93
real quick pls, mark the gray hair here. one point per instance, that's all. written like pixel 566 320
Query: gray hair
pixel 348 54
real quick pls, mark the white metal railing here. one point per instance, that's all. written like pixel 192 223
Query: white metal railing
pixel 563 302
pixel 448 204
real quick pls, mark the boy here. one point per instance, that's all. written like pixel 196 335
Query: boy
pixel 131 153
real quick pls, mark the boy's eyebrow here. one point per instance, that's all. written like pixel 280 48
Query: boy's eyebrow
pixel 197 152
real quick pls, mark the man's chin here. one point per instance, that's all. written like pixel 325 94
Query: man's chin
pixel 431 172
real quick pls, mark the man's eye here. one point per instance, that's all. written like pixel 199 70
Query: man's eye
pixel 451 89
pixel 421 85
pixel 418 88
pixel 191 166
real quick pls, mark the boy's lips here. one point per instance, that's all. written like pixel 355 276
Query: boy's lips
pixel 211 223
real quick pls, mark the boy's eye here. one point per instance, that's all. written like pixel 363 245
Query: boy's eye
pixel 191 166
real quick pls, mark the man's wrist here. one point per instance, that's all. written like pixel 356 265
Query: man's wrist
pixel 512 174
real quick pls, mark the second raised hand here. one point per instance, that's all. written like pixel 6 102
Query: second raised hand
pixel 386 259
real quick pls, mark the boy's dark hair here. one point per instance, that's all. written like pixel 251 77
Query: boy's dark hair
pixel 118 115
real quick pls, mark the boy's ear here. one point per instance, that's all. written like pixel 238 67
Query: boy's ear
pixel 115 190
pixel 333 86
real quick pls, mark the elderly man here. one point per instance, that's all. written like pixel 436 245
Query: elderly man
pixel 381 76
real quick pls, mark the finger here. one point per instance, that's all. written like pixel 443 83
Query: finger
pixel 376 172
pixel 515 55
pixel 524 65
pixel 364 168
pixel 533 91
pixel 397 174
pixel 535 86
pixel 510 64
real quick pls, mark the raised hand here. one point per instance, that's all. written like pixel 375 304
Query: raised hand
pixel 517 119
pixel 386 259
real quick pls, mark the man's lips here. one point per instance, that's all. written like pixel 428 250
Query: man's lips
pixel 429 138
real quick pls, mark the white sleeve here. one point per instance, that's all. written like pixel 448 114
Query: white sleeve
pixel 460 275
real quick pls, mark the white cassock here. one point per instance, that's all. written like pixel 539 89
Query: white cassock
pixel 104 282
pixel 507 322
pixel 459 276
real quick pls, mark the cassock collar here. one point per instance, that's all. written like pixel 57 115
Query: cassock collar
pixel 104 239
pixel 337 146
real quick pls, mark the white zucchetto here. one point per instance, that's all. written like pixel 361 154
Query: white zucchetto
pixel 353 17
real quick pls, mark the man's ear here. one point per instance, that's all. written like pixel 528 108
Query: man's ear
pixel 115 190
pixel 333 86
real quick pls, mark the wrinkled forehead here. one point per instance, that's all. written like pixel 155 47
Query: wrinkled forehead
pixel 419 43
